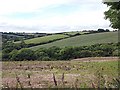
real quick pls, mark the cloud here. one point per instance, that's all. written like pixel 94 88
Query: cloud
pixel 17 6
pixel 43 28
pixel 51 15
pixel 11 6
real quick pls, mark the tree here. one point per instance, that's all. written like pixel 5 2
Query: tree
pixel 53 52
pixel 41 54
pixel 85 53
pixel 66 53
pixel 113 14
pixel 101 30
pixel 23 44
pixel 25 54
pixel 107 30
pixel 13 55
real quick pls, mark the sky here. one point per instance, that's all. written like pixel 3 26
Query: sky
pixel 51 16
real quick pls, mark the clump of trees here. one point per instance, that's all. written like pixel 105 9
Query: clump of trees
pixel 113 14
pixel 23 54
pixel 66 53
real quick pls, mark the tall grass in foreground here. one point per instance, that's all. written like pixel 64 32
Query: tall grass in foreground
pixel 107 85
pixel 100 77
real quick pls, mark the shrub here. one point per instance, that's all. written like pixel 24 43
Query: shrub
pixel 25 54
pixel 46 58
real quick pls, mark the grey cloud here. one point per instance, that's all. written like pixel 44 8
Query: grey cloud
pixel 47 29
pixel 38 28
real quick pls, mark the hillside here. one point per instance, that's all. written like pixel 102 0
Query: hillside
pixel 83 40
pixel 44 39
pixel 75 32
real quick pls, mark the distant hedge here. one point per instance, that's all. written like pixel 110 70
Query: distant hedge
pixel 56 53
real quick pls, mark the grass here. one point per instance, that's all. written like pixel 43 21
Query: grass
pixel 75 32
pixel 56 73
pixel 83 40
pixel 44 39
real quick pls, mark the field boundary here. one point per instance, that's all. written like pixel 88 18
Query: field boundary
pixel 97 59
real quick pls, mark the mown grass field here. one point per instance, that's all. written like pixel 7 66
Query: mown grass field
pixel 77 74
pixel 44 39
pixel 83 40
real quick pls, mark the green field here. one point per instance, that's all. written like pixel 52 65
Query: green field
pixel 76 73
pixel 75 32
pixel 44 39
pixel 83 40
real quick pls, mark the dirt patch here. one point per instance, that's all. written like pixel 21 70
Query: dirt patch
pixel 97 59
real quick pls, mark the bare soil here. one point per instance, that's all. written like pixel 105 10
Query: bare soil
pixel 97 59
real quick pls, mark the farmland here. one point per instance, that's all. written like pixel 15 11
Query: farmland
pixel 44 39
pixel 92 62
pixel 64 44
pixel 83 40
pixel 71 74
pixel 75 32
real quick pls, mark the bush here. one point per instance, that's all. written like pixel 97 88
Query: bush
pixel 23 54
pixel 67 53
pixel 46 59
pixel 13 55
pixel 53 52
pixel 85 53
pixel 40 55
pixel 98 53
pixel 116 53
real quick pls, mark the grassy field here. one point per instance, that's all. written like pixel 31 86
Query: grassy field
pixel 71 74
pixel 83 40
pixel 75 32
pixel 44 39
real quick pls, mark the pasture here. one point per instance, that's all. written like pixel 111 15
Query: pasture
pixel 83 40
pixel 79 73
pixel 44 39
pixel 75 32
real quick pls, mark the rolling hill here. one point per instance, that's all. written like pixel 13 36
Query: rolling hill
pixel 75 32
pixel 44 39
pixel 83 40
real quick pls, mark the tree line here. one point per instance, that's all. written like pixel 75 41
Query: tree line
pixel 57 53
